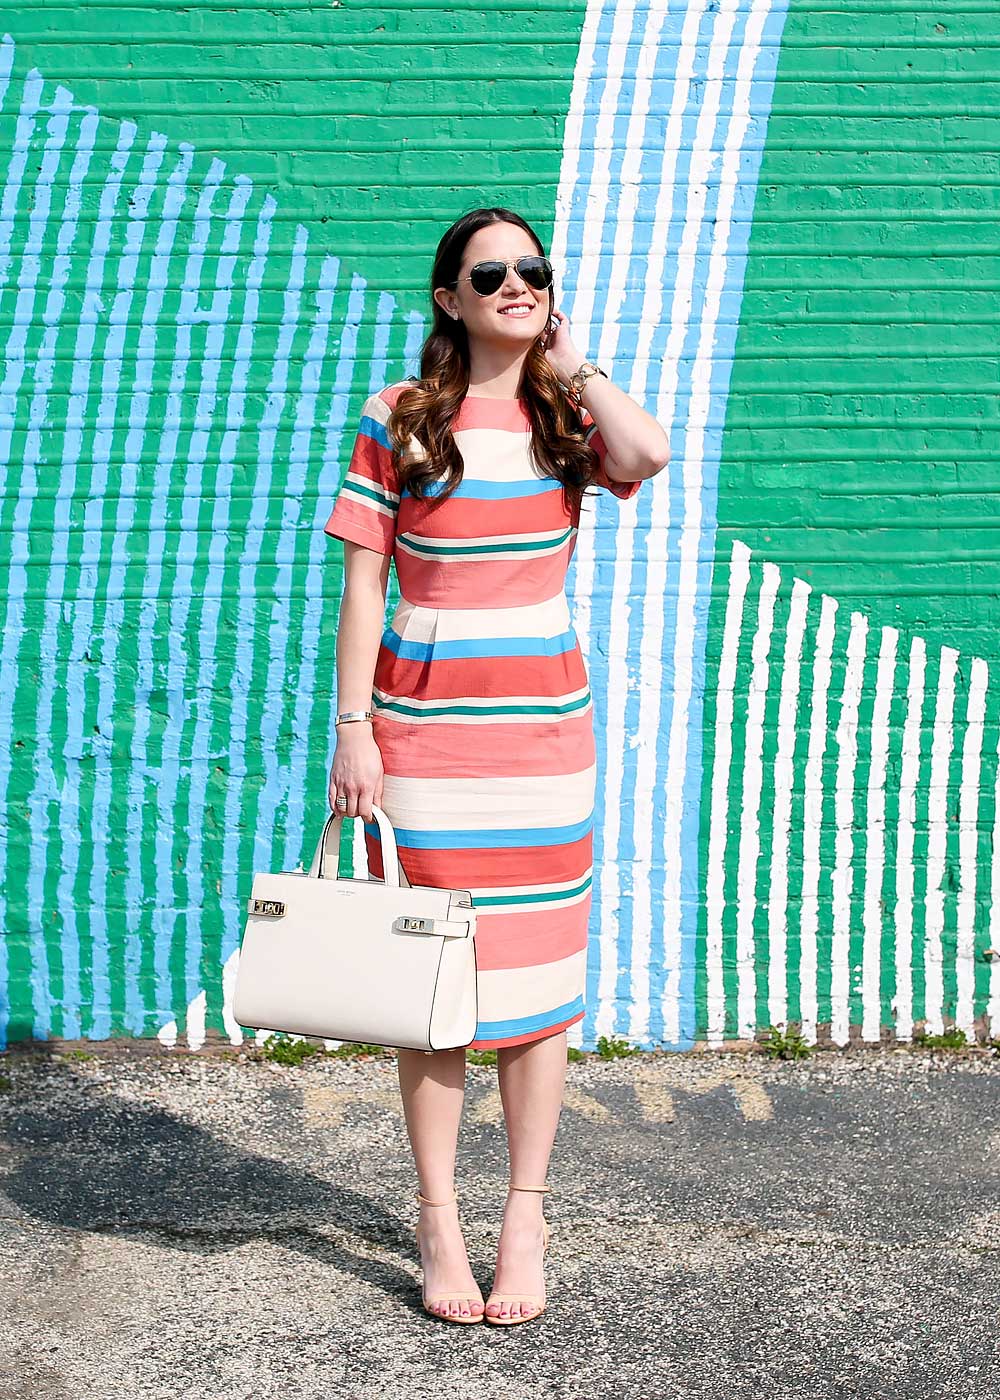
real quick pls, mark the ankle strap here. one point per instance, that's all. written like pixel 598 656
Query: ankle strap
pixel 512 1187
pixel 428 1202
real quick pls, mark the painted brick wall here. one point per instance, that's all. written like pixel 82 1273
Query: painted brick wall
pixel 773 225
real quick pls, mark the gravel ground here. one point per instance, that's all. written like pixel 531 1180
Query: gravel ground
pixel 215 1226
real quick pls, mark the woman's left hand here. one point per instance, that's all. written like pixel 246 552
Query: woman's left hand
pixel 560 351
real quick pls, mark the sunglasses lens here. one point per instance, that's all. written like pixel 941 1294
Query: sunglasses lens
pixel 537 272
pixel 488 277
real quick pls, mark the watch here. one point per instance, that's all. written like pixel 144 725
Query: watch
pixel 577 381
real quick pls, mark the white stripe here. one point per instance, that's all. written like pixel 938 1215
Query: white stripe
pixel 507 993
pixel 748 856
pixel 415 623
pixel 968 846
pixel 909 776
pixel 481 804
pixel 937 841
pixel 812 816
pixel 715 903
pixel 873 917
pixel 784 779
pixel 485 701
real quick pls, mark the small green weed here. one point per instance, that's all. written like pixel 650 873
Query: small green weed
pixel 79 1055
pixel 785 1044
pixel 609 1048
pixel 281 1050
pixel 573 1052
pixel 951 1040
pixel 481 1057
pixel 350 1048
pixel 6 1084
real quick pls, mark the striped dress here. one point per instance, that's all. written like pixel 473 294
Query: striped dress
pixel 483 712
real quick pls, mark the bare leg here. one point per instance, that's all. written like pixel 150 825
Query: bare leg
pixel 532 1079
pixel 433 1093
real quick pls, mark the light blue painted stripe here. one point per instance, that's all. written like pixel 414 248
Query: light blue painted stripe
pixel 91 313
pixel 522 1025
pixel 762 92
pixel 127 459
pixel 151 545
pixel 6 228
pixel 200 687
pixel 242 847
pixel 210 623
pixel 336 446
pixel 310 577
pixel 15 364
pixel 164 616
pixel 54 803
pixel 486 838
pixel 479 646
pixel 664 78
pixel 289 838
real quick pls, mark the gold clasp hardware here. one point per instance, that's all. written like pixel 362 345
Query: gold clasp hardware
pixel 272 908
pixel 411 923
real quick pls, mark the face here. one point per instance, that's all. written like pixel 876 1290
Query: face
pixel 515 314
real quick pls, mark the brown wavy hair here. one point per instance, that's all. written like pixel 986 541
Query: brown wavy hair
pixel 426 410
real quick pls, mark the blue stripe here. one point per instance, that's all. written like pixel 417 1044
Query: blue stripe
pixel 487 837
pixel 479 646
pixel 519 1025
pixel 495 490
pixel 371 427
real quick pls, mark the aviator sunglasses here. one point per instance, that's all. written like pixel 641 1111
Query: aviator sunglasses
pixel 488 277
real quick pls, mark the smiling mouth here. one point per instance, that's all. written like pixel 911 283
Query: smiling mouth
pixel 520 310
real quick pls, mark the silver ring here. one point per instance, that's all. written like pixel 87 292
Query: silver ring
pixel 341 801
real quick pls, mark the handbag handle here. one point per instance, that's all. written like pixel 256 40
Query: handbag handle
pixel 325 848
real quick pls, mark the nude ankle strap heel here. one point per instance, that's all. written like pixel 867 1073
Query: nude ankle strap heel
pixel 445 1297
pixel 535 1298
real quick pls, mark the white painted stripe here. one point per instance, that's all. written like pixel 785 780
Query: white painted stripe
pixel 993 1004
pixel 843 875
pixel 873 915
pixel 937 841
pixel 748 856
pixel 909 776
pixel 715 902
pixel 812 817
pixel 968 846
pixel 784 779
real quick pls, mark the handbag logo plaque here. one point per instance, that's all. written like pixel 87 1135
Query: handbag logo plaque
pixel 272 908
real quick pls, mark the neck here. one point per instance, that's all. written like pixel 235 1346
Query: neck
pixel 493 374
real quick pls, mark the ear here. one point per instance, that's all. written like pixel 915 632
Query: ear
pixel 447 301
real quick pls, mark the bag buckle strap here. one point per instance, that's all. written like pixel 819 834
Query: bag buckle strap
pixel 417 923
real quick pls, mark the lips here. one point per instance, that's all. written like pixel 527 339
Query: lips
pixel 519 309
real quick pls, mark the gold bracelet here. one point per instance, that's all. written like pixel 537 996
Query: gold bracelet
pixel 578 381
pixel 354 716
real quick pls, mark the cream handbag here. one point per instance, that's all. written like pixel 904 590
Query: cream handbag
pixel 372 961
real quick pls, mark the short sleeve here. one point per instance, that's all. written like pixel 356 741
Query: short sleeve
pixel 592 436
pixel 367 504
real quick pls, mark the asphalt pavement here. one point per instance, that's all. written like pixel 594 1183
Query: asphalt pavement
pixel 207 1225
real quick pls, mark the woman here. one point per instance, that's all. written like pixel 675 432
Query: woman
pixel 480 743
